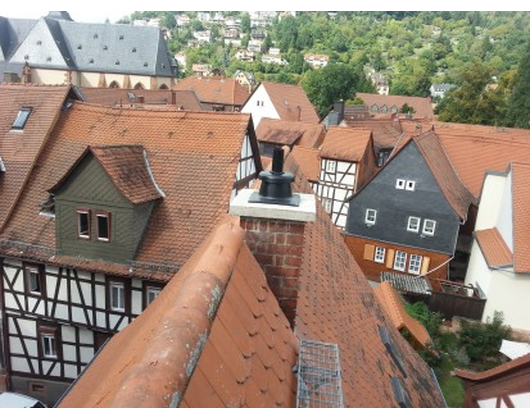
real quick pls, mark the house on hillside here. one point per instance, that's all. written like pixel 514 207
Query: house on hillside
pixel 438 91
pixel 216 93
pixel 392 104
pixel 110 205
pixel 56 50
pixel 280 101
pixel 500 257
pixel 230 326
pixel 245 79
pixel 407 217
pixel 317 60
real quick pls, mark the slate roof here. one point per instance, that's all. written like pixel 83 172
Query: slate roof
pixel 215 89
pixel 422 106
pixel 309 161
pixel 291 102
pixel 345 143
pixel 128 169
pixel 185 100
pixel 108 48
pixel 290 132
pixel 391 302
pixel 19 149
pixel 494 249
pixel 193 158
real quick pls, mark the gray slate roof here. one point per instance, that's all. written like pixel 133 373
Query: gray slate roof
pixel 109 48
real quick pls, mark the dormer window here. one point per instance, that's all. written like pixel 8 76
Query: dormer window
pixel 410 186
pixel 83 224
pixel 400 184
pixel 22 118
pixel 370 216
pixel 103 225
pixel 429 227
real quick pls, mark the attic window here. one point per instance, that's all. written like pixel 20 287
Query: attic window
pixel 91 61
pixel 39 42
pixel 103 226
pixel 83 224
pixel 134 50
pixel 22 118
pixel 400 394
pixel 105 47
pixel 117 62
pixel 392 349
pixel 121 37
pixel 145 64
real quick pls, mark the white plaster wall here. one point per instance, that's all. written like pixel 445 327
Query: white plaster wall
pixel 505 218
pixel 258 112
pixel 490 202
pixel 478 272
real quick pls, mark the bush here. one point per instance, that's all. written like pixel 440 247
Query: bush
pixel 431 320
pixel 483 341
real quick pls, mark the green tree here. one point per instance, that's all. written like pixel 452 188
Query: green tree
pixel 245 22
pixel 518 114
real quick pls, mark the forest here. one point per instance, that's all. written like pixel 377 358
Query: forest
pixel 485 55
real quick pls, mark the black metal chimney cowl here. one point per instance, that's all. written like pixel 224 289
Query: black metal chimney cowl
pixel 276 185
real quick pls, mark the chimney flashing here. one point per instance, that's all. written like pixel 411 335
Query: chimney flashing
pixel 305 212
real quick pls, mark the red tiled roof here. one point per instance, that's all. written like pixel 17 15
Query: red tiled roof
pixel 215 89
pixel 422 106
pixel 336 304
pixel 128 168
pixel 504 369
pixel 214 337
pixel 345 143
pixel 309 161
pixel 385 132
pixel 193 158
pixel 494 249
pixel 390 301
pixel 521 224
pixel 291 102
pixel 290 132
pixel 20 148
pixel 454 190
pixel 185 100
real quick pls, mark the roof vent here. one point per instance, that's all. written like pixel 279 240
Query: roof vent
pixel 276 184
pixel 319 375
pixel 2 166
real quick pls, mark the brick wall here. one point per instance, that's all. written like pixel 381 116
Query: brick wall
pixel 278 248
pixel 372 269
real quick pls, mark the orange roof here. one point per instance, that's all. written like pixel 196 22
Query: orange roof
pixel 494 249
pixel 215 89
pixel 193 158
pixel 20 148
pixel 128 168
pixel 309 161
pixel 390 301
pixel 521 224
pixel 290 132
pixel 180 99
pixel 215 337
pixel 455 192
pixel 291 102
pixel 502 370
pixel 345 143
pixel 422 106
pixel 385 132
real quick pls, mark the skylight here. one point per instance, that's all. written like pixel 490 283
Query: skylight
pixel 22 118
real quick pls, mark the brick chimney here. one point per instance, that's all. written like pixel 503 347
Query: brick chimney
pixel 275 221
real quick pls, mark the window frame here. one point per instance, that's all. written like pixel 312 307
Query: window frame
pixel 426 231
pixel 402 266
pixel 379 254
pixel 400 183
pixel 116 283
pixel 418 261
pixel 105 214
pixel 410 228
pixel 47 332
pixel 22 118
pixel 410 185
pixel 367 218
pixel 34 269
pixel 150 287
pixel 87 212
pixel 331 165
pixel 327 204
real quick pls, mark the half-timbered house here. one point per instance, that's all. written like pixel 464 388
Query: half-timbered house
pixel 115 204
pixel 407 217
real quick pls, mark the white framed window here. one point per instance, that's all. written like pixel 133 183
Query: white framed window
pixel 370 216
pixel 117 296
pixel 415 263
pixel 410 186
pixel 49 341
pixel 331 165
pixel 83 224
pixel 429 226
pixel 151 294
pixel 379 255
pixel 327 204
pixel 400 184
pixel 414 224
pixel 22 118
pixel 400 261
pixel 103 226
pixel 49 345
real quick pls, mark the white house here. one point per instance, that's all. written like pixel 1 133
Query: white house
pixel 500 257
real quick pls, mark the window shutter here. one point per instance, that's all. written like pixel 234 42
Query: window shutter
pixel 369 252
pixel 425 265
pixel 390 258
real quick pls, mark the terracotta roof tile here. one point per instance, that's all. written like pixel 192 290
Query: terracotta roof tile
pixel 131 98
pixel 345 143
pixel 20 148
pixel 521 224
pixel 422 106
pixel 184 150
pixel 501 370
pixel 386 132
pixel 309 161
pixel 391 302
pixel 215 90
pixel 494 249
pixel 290 132
pixel 291 102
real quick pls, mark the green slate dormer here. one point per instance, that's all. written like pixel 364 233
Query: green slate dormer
pixel 104 202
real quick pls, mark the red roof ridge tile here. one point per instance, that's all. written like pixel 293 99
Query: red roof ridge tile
pixel 495 250
pixel 505 368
